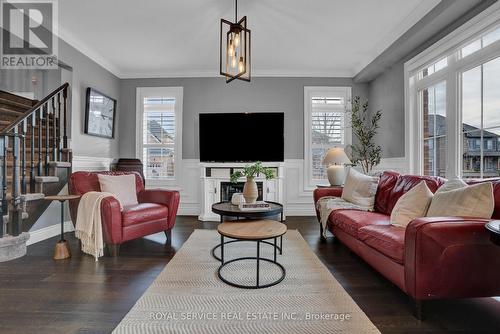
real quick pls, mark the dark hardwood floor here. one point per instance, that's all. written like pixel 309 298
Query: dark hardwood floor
pixel 79 295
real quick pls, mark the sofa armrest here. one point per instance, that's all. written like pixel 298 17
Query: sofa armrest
pixel 323 192
pixel 169 198
pixel 111 217
pixel 450 257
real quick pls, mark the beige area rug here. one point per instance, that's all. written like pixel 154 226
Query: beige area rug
pixel 188 297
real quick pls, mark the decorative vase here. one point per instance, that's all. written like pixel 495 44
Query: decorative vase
pixel 250 190
pixel 237 199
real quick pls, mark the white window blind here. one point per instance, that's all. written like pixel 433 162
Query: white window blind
pixel 327 121
pixel 159 135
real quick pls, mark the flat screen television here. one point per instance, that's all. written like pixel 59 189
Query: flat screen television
pixel 241 137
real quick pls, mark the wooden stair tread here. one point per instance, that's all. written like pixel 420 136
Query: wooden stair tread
pixel 46 179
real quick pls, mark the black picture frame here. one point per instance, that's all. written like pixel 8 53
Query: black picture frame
pixel 94 125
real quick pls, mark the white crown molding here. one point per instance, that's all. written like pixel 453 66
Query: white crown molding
pixel 88 51
pixel 255 73
pixel 409 21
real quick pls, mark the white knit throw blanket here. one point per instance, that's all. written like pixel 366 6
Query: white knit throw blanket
pixel 327 204
pixel 88 223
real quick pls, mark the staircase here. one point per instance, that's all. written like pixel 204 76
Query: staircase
pixel 34 161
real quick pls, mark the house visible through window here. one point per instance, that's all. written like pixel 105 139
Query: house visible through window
pixel 326 126
pixel 159 139
pixel 453 104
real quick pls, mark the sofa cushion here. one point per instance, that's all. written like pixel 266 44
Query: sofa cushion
pixel 360 189
pixel 413 204
pixel 386 183
pixel 143 212
pixel 387 239
pixel 407 182
pixel 470 201
pixel 350 221
pixel 496 193
pixel 122 186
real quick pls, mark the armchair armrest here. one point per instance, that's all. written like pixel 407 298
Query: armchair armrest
pixel 170 198
pixel 322 192
pixel 111 217
pixel 450 257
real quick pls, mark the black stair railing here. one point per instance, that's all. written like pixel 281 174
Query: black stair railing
pixel 42 125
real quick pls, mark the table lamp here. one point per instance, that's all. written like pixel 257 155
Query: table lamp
pixel 335 159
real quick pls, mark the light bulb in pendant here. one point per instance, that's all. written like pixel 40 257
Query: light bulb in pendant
pixel 237 39
pixel 233 60
pixel 241 65
pixel 230 50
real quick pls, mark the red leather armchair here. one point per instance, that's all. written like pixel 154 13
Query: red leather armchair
pixel 155 212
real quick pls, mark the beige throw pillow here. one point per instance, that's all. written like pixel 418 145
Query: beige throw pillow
pixel 451 184
pixel 470 201
pixel 360 189
pixel 413 204
pixel 122 186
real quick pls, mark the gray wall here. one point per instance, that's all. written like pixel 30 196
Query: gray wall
pixel 386 91
pixel 87 73
pixel 214 95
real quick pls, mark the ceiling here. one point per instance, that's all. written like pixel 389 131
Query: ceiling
pixel 151 38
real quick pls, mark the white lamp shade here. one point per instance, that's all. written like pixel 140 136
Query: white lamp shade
pixel 336 156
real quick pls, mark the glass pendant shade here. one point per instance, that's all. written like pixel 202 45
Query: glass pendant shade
pixel 235 50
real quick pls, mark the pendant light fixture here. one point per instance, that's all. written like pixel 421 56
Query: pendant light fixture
pixel 235 48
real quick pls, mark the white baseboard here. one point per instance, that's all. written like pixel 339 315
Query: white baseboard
pixel 49 232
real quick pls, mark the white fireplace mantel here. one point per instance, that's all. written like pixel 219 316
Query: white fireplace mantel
pixel 214 174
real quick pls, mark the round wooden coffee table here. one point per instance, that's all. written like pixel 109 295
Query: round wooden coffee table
pixel 258 231
pixel 227 209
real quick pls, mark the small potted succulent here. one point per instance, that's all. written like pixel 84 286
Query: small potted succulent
pixel 250 190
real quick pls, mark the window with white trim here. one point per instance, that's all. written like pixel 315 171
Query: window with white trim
pixel 159 125
pixel 325 127
pixel 453 102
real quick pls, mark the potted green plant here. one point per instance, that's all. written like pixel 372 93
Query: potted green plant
pixel 250 190
pixel 364 127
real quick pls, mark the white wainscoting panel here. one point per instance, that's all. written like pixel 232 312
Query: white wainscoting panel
pixel 298 201
pixel 85 163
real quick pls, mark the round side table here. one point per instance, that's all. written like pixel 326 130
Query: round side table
pixel 62 250
pixel 494 228
pixel 258 231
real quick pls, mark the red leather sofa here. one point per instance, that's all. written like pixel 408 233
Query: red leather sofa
pixel 155 212
pixel 434 257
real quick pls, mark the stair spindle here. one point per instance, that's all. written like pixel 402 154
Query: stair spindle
pixel 16 212
pixel 47 138
pixel 65 119
pixel 24 129
pixel 54 131
pixel 40 127
pixel 32 155
pixel 58 132
pixel 3 182
pixel 4 148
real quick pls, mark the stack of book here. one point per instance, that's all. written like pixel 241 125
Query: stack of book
pixel 257 206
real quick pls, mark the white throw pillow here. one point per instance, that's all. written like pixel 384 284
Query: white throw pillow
pixel 451 184
pixel 470 201
pixel 413 204
pixel 360 189
pixel 122 186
